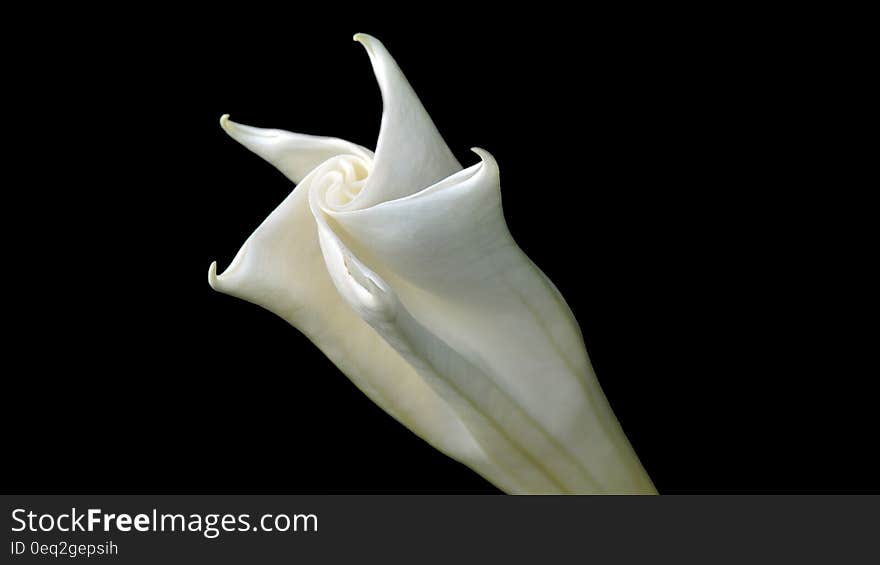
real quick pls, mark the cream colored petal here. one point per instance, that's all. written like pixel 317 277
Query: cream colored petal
pixel 500 460
pixel 280 267
pixel 294 154
pixel 410 153
pixel 478 318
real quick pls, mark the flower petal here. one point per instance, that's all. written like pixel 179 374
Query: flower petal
pixel 281 268
pixel 477 317
pixel 457 382
pixel 410 153
pixel 294 154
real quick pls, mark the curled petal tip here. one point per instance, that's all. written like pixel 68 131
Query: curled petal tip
pixel 485 156
pixel 241 132
pixel 368 41
pixel 212 275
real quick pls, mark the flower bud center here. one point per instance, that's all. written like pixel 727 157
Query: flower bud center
pixel 343 179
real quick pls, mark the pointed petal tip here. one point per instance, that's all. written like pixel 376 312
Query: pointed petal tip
pixel 214 278
pixel 368 41
pixel 219 282
pixel 224 119
pixel 212 275
pixel 485 156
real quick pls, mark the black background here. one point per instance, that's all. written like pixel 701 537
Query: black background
pixel 661 171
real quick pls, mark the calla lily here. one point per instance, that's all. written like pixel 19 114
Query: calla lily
pixel 399 266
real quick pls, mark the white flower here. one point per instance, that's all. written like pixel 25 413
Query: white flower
pixel 399 266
